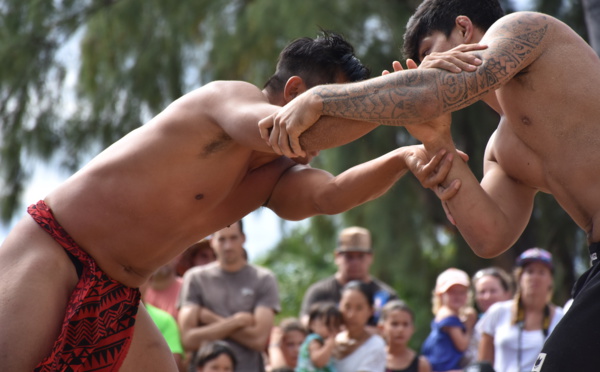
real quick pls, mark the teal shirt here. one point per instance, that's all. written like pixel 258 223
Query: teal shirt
pixel 304 363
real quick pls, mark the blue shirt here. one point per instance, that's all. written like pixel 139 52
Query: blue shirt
pixel 439 349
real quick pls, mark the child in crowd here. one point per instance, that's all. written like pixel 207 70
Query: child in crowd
pixel 452 327
pixel 215 356
pixel 357 348
pixel 397 327
pixel 324 322
pixel 285 342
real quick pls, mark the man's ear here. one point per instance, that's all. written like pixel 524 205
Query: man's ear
pixel 466 28
pixel 293 88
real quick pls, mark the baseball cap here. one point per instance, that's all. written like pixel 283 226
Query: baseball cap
pixel 354 239
pixel 535 255
pixel 450 277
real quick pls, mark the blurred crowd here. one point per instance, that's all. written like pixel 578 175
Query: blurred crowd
pixel 218 312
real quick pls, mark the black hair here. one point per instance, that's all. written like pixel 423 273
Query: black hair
pixel 317 61
pixel 327 311
pixel 440 15
pixel 213 350
pixel 362 287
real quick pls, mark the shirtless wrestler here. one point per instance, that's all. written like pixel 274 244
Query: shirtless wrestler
pixel 69 271
pixel 544 82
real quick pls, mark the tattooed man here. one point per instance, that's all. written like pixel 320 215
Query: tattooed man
pixel 544 82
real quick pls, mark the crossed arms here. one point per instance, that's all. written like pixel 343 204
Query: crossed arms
pixel 199 324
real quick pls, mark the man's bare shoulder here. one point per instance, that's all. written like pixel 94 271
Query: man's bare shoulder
pixel 227 89
pixel 533 28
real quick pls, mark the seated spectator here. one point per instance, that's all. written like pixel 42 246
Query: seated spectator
pixel 514 331
pixel 215 356
pixel 452 326
pixel 358 349
pixel 285 342
pixel 397 328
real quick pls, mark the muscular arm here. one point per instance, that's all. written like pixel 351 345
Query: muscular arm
pixel 417 96
pixel 490 215
pixel 303 191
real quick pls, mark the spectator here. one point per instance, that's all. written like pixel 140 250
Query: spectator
pixel 215 356
pixel 453 323
pixel 514 331
pixel 167 325
pixel 285 342
pixel 358 349
pixel 163 288
pixel 316 352
pixel 353 257
pixel 490 285
pixel 397 323
pixel 198 254
pixel 229 300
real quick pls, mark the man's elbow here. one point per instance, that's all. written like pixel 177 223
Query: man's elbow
pixel 258 343
pixel 488 248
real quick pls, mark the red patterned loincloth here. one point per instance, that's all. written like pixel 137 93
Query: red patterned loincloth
pixel 99 319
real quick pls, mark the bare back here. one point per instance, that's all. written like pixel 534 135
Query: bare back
pixel 170 182
pixel 550 127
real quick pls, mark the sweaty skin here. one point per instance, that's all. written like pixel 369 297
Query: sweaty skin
pixel 197 167
pixel 541 78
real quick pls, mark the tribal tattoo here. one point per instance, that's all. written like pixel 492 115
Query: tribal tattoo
pixel 415 96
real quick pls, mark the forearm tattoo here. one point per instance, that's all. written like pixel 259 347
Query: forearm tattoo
pixel 415 96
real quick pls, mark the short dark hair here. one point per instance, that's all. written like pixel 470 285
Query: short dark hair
pixel 213 350
pixel 317 61
pixel 439 15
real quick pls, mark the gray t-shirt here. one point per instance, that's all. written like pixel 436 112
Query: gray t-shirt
pixel 226 293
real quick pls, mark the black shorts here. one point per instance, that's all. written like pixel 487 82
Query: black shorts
pixel 574 345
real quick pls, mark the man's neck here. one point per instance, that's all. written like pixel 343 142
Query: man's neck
pixel 274 99
pixel 344 280
pixel 232 267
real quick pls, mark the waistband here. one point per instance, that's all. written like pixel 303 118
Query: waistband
pixel 41 213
